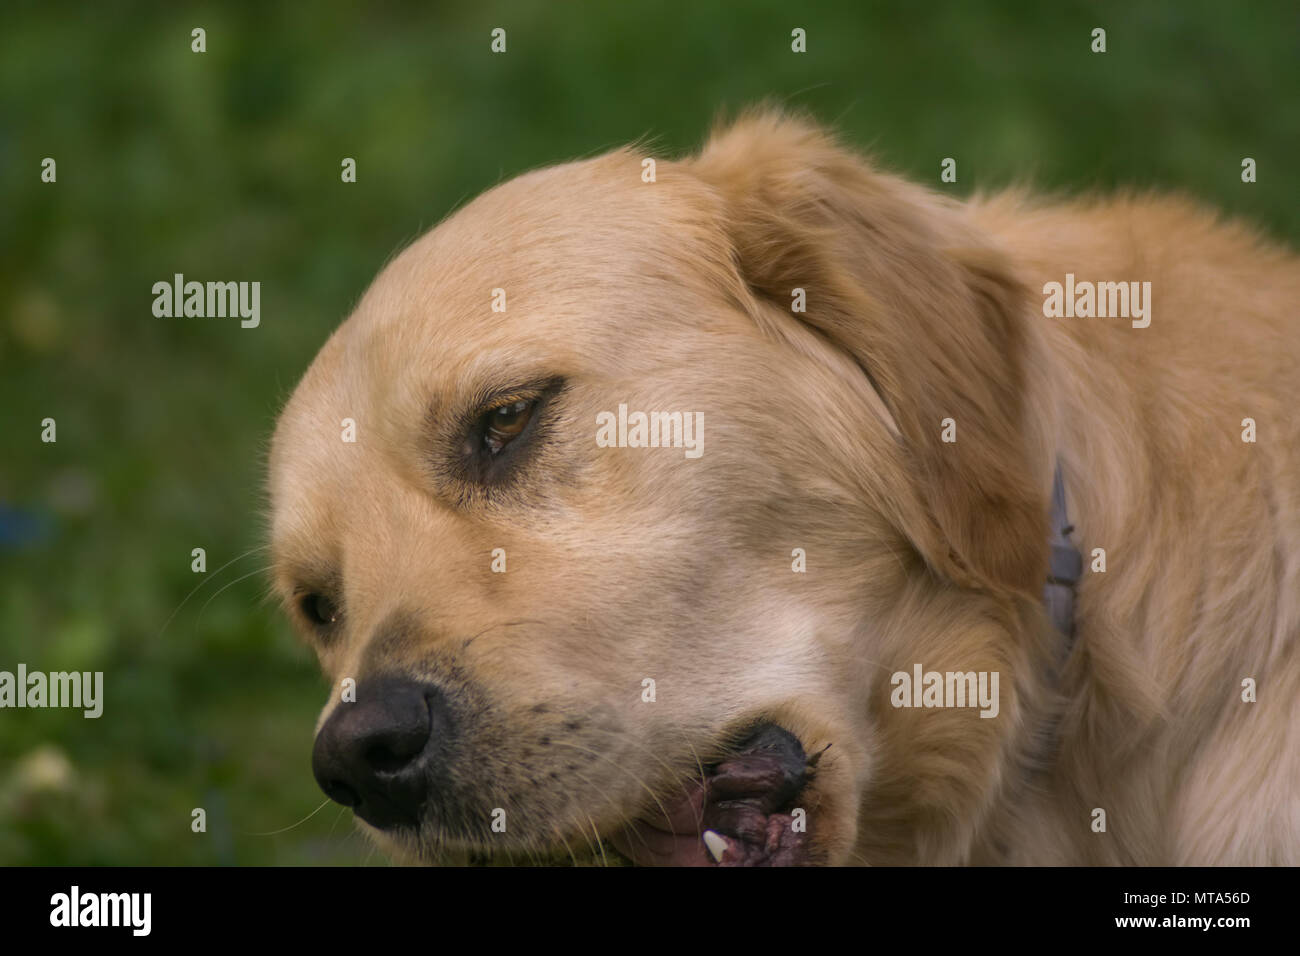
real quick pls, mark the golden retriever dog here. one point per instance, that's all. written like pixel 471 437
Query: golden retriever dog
pixel 706 512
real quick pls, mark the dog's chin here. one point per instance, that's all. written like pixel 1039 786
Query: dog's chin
pixel 743 810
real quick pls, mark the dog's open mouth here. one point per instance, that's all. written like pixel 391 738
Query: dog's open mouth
pixel 743 812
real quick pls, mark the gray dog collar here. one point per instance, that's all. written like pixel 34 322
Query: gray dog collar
pixel 1066 563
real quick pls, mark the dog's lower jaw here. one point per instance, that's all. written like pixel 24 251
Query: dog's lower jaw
pixel 767 803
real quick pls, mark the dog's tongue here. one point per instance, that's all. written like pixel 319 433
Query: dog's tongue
pixel 732 816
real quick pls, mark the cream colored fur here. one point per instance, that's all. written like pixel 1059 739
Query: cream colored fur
pixel 823 433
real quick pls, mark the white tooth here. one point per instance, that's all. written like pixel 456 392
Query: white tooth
pixel 717 846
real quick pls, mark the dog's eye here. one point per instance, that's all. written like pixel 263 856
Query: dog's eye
pixel 320 610
pixel 502 425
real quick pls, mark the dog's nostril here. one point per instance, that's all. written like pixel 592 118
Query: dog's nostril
pixel 340 792
pixel 385 758
pixel 390 746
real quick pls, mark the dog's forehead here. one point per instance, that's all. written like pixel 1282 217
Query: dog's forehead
pixel 553 267
pixel 542 260
pixel 550 242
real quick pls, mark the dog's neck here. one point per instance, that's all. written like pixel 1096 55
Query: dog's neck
pixel 1066 564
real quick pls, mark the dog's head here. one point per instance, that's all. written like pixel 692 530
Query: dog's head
pixel 561 638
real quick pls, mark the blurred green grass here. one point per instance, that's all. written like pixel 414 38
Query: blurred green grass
pixel 225 165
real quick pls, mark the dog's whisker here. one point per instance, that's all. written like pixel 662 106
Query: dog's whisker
pixel 593 849
pixel 208 579
pixel 609 802
pixel 624 737
pixel 565 843
pixel 531 853
pixel 218 593
pixel 586 839
pixel 699 764
pixel 645 786
pixel 334 826
pixel 632 833
pixel 291 826
pixel 600 845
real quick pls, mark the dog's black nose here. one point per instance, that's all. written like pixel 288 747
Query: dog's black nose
pixel 373 754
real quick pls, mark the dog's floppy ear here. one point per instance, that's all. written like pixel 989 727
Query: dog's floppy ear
pixel 896 277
